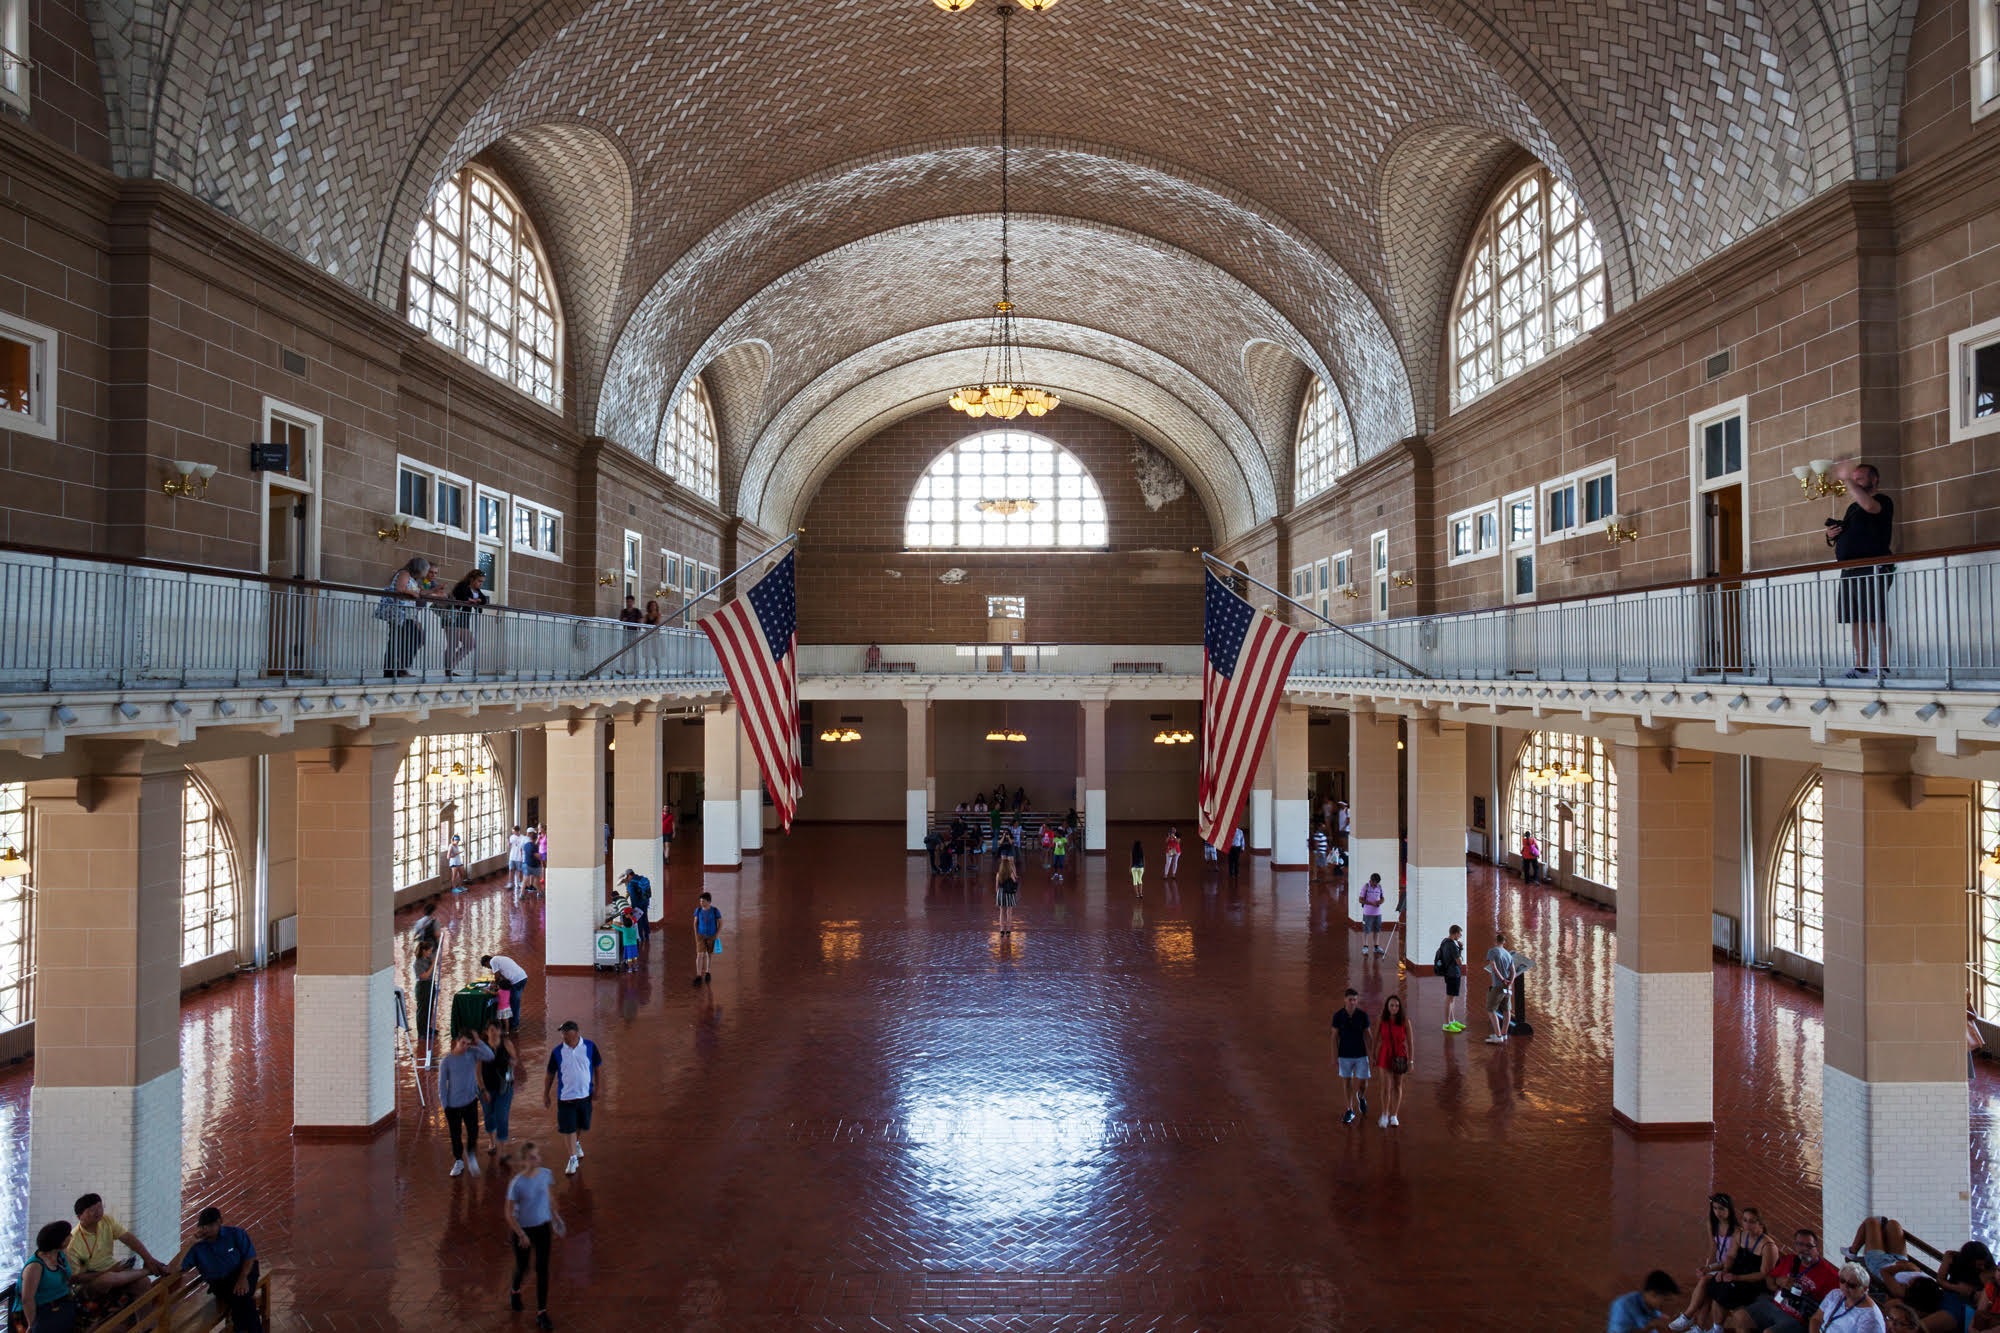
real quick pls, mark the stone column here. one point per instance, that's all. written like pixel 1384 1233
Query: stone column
pixel 1093 774
pixel 1894 1107
pixel 721 801
pixel 1436 765
pixel 1663 987
pixel 916 772
pixel 1374 798
pixel 1291 808
pixel 576 898
pixel 106 1102
pixel 639 785
pixel 1261 783
pixel 749 793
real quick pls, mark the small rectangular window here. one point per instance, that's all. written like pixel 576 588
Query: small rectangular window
pixel 1323 574
pixel 634 547
pixel 492 517
pixel 537 529
pixel 413 494
pixel 670 571
pixel 1985 57
pixel 524 527
pixel 1486 537
pixel 1343 569
pixel 1600 498
pixel 14 66
pixel 1006 608
pixel 451 504
pixel 1975 379
pixel 1521 520
pixel 1524 575
pixel 1558 510
pixel 1474 533
pixel 1722 448
pixel 551 541
pixel 27 376
pixel 1461 539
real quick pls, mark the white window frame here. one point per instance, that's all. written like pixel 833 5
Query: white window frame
pixel 670 571
pixel 1574 482
pixel 315 428
pixel 635 553
pixel 480 495
pixel 1343 569
pixel 15 67
pixel 435 477
pixel 1963 344
pixel 533 547
pixel 1378 573
pixel 1700 485
pixel 1514 548
pixel 1583 477
pixel 1007 606
pixel 41 416
pixel 1984 26
pixel 1302 577
pixel 1469 520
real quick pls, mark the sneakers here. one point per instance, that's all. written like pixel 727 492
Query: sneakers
pixel 1364 1103
pixel 579 1151
pixel 1347 1116
pixel 1396 1121
pixel 1383 1123
pixel 1681 1323
pixel 1454 1026
pixel 471 1164
pixel 1496 1041
pixel 458 1167
pixel 570 1169
pixel 696 981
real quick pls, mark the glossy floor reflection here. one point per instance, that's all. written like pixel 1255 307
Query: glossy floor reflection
pixel 883 1114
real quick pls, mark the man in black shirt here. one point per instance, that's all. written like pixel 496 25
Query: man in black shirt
pixel 1350 1053
pixel 1864 532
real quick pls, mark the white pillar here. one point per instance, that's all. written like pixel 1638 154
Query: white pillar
pixel 749 792
pixel 916 774
pixel 1093 774
pixel 575 896
pixel 721 801
pixel 1374 799
pixel 1260 801
pixel 1291 808
pixel 105 1108
pixel 639 778
pixel 1435 763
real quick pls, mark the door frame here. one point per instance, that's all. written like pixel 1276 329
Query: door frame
pixel 1378 579
pixel 315 428
pixel 1698 486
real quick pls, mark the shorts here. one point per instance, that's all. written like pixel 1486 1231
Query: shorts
pixel 1496 999
pixel 704 943
pixel 1451 987
pixel 1372 924
pixel 1138 874
pixel 517 863
pixel 1354 1066
pixel 1877 1260
pixel 1864 593
pixel 631 952
pixel 573 1117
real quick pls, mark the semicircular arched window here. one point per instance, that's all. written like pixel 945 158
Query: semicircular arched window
pixel 479 284
pixel 17 908
pixel 1798 878
pixel 1325 442
pixel 687 448
pixel 1533 283
pixel 208 876
pixel 1005 490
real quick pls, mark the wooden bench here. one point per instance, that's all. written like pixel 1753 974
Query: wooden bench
pixel 180 1303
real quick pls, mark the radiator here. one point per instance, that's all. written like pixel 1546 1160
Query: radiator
pixel 284 936
pixel 1475 843
pixel 1724 930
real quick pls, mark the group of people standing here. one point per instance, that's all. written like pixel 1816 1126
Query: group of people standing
pixel 411 591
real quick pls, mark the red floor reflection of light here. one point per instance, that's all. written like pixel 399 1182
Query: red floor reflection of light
pixel 884 1114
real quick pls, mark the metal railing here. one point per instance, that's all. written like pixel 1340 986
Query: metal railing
pixel 78 623
pixel 1038 659
pixel 1940 611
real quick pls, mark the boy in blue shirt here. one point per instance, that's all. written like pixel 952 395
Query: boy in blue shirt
pixel 707 925
pixel 1644 1310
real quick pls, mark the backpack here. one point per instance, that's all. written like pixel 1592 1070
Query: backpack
pixel 1444 964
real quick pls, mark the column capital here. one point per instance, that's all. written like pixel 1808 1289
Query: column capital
pixel 916 695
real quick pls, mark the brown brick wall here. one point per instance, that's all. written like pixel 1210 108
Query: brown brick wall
pixel 66 86
pixel 1145 589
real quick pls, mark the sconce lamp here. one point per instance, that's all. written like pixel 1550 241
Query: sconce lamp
pixel 391 529
pixel 1989 866
pixel 607 578
pixel 1815 482
pixel 1616 529
pixel 1402 580
pixel 190 481
pixel 13 865
pixel 1349 591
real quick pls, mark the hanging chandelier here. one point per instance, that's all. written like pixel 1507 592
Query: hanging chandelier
pixel 1558 775
pixel 960 6
pixel 1007 508
pixel 1002 390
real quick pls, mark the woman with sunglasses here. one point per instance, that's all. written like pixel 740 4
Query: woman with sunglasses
pixel 1849 1309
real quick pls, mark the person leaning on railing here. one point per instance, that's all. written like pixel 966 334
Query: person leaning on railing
pixel 1864 532
pixel 468 598
pixel 401 603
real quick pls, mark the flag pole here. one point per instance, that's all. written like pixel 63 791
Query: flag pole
pixel 689 604
pixel 1230 571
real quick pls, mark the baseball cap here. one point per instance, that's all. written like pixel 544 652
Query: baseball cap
pixel 569 1027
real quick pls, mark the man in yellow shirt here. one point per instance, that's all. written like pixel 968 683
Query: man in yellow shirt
pixel 92 1251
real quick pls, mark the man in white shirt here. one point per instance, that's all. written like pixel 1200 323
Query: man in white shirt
pixel 517 859
pixel 572 1081
pixel 513 976
pixel 1500 970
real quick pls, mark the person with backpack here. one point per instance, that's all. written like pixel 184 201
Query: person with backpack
pixel 707 926
pixel 1371 914
pixel 640 890
pixel 47 1301
pixel 1450 964
pixel 1531 858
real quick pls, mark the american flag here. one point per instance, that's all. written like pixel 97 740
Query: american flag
pixel 1246 656
pixel 757 638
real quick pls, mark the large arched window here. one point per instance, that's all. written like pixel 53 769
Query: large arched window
pixel 208 876
pixel 1798 879
pixel 1326 441
pixel 1005 489
pixel 17 915
pixel 1532 284
pixel 447 785
pixel 478 284
pixel 688 450
pixel 1575 820
pixel 1985 988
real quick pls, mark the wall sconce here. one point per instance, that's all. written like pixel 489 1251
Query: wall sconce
pixel 1349 591
pixel 1615 530
pixel 607 578
pixel 391 529
pixel 1989 867
pixel 1402 580
pixel 190 481
pixel 1815 482
pixel 840 735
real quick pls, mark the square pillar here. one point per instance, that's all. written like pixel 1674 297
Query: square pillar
pixel 1261 783
pixel 344 993
pixel 721 800
pixel 1375 800
pixel 575 898
pixel 1663 986
pixel 1093 774
pixel 916 773
pixel 749 793
pixel 639 786
pixel 1896 1125
pixel 106 1104
pixel 1435 763
pixel 1291 808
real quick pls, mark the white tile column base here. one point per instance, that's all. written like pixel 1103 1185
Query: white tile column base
pixel 121 1142
pixel 916 819
pixel 344 1048
pixel 721 828
pixel 1437 903
pixel 1289 820
pixel 1260 819
pixel 750 804
pixel 1093 820
pixel 1663 1047
pixel 1900 1150
pixel 1372 856
pixel 571 915
pixel 644 856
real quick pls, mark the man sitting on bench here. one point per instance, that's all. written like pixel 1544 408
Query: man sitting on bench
pixel 94 1264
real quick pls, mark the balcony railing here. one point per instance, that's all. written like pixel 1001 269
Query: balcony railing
pixel 1941 611
pixel 971 659
pixel 77 623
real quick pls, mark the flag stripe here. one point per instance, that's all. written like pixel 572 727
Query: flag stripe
pixel 1246 659
pixel 763 678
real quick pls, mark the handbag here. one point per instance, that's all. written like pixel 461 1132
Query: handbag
pixel 1399 1064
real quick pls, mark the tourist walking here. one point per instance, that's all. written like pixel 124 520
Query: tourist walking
pixel 459 1093
pixel 1319 846
pixel 46 1299
pixel 1006 888
pixel 1395 1055
pixel 517 861
pixel 707 926
pixel 639 889
pixel 533 1221
pixel 1450 964
pixel 571 1083
pixel 1371 915
pixel 1138 868
pixel 1173 864
pixel 454 857
pixel 1350 1054
pixel 400 606
pixel 496 1086
pixel 1235 851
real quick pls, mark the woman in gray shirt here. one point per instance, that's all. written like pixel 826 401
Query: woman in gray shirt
pixel 531 1218
pixel 458 1092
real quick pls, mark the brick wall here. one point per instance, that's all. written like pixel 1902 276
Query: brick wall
pixel 1144 589
pixel 66 85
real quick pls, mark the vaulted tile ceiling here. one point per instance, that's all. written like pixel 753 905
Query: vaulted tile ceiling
pixel 1218 198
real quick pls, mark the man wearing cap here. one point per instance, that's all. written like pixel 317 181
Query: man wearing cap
pixel 1644 1310
pixel 640 890
pixel 571 1082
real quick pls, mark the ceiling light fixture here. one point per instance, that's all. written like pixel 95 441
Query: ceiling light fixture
pixel 13 865
pixel 1007 508
pixel 1001 391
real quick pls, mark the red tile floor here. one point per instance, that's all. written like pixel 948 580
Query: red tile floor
pixel 885 1115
